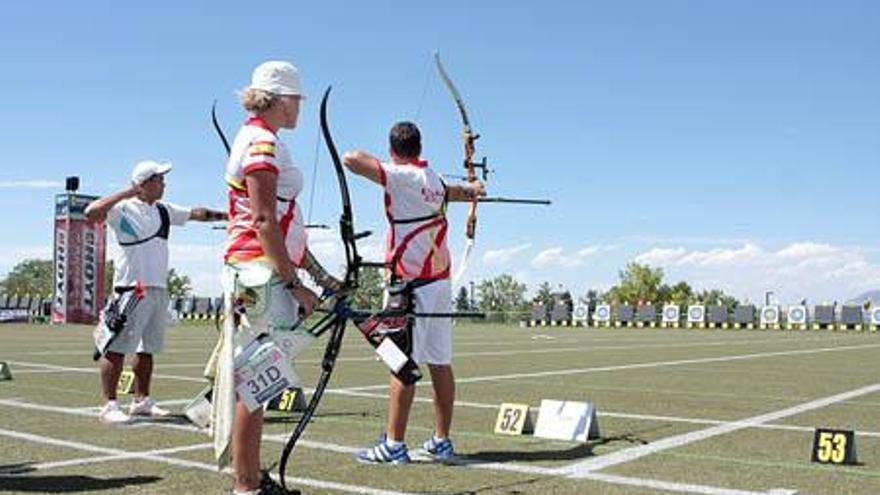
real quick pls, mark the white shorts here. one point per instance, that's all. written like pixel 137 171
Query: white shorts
pixel 432 337
pixel 144 330
pixel 269 306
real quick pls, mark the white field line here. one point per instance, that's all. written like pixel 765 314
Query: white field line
pixel 51 368
pixel 341 449
pixel 581 468
pixel 171 402
pixel 584 347
pixel 118 457
pixel 564 337
pixel 86 351
pixel 679 487
pixel 610 414
pixel 114 454
pixel 653 364
pixel 93 411
pixel 95 371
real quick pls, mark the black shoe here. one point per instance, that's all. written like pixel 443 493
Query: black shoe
pixel 269 486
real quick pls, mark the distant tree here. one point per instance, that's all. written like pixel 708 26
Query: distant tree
pixel 638 282
pixel 462 302
pixel 545 295
pixel 591 299
pixel 32 276
pixel 567 299
pixel 370 289
pixel 502 293
pixel 177 285
pixel 712 297
pixel 680 293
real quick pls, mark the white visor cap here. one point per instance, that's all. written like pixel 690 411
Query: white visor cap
pixel 276 77
pixel 148 168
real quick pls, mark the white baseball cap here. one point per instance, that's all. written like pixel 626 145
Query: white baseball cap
pixel 148 168
pixel 276 77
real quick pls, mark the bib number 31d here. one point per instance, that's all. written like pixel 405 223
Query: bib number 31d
pixel 261 375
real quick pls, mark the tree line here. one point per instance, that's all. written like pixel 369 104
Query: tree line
pixel 637 283
pixel 35 277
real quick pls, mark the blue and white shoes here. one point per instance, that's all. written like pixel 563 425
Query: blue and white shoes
pixel 440 449
pixel 383 453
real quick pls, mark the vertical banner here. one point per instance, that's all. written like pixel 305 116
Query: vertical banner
pixel 79 262
pixel 59 300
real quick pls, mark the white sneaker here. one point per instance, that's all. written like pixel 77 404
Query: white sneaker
pixel 147 407
pixel 111 414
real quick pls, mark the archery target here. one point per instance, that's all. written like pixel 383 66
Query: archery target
pixel 671 313
pixel 646 313
pixel 602 313
pixel 696 313
pixel 875 316
pixel 717 314
pixel 770 315
pixel 539 312
pixel 823 315
pixel 626 313
pixel 797 315
pixel 581 311
pixel 744 314
pixel 851 315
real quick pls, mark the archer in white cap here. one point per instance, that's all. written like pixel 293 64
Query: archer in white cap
pixel 141 223
pixel 266 246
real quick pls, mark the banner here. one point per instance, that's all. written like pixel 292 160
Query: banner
pixel 79 262
pixel 59 300
pixel 13 315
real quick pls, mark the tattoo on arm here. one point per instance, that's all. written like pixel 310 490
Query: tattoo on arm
pixel 314 269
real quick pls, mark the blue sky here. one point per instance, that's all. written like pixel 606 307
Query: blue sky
pixel 735 144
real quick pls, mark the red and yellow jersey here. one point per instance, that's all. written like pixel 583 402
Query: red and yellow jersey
pixel 256 147
pixel 415 205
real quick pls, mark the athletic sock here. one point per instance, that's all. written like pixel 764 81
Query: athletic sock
pixel 392 443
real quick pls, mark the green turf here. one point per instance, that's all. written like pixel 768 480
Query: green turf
pixel 649 384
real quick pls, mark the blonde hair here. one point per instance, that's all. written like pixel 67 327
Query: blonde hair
pixel 257 100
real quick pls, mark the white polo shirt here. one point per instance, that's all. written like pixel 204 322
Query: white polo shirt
pixel 131 220
pixel 256 147
pixel 415 206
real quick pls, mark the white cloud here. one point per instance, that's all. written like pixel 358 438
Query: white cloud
pixel 806 250
pixel 589 251
pixel 816 271
pixel 503 256
pixel 722 256
pixel 558 257
pixel 31 184
pixel 659 256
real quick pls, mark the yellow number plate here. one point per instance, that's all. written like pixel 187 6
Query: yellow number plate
pixel 834 446
pixel 126 383
pixel 513 419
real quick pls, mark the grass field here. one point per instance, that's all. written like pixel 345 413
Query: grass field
pixel 681 411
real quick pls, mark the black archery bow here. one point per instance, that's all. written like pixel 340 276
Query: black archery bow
pixel 469 137
pixel 218 128
pixel 336 319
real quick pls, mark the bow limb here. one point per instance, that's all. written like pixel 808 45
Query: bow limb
pixel 468 137
pixel 218 128
pixel 338 318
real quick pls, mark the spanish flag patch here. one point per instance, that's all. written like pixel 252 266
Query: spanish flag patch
pixel 262 148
